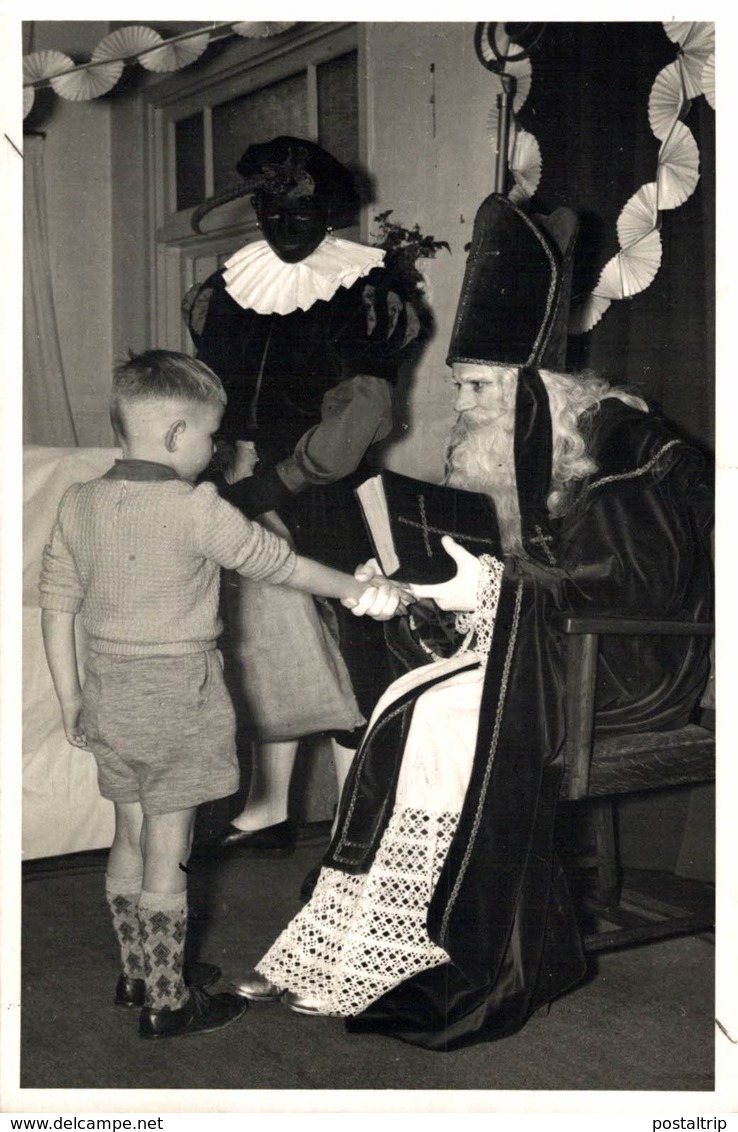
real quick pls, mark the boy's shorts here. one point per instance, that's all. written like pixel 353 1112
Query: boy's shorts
pixel 161 728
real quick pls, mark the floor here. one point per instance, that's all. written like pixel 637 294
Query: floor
pixel 643 1020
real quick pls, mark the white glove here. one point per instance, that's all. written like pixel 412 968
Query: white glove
pixel 460 593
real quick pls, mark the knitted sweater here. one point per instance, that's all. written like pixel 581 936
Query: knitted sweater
pixel 139 559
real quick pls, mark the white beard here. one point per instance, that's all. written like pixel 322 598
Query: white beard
pixel 481 458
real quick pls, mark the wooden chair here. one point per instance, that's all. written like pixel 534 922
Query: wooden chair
pixel 598 770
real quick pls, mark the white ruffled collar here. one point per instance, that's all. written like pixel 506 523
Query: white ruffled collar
pixel 257 279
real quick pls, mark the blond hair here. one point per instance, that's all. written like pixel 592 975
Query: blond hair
pixel 573 402
pixel 161 375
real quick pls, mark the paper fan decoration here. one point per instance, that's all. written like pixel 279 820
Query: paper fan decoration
pixel 86 83
pixel 708 81
pixel 45 64
pixel 692 36
pixel 639 216
pixel 697 42
pixel 668 100
pixel 584 317
pixel 126 43
pixel 632 269
pixel 525 166
pixel 678 169
pixel 175 55
pixel 256 30
pixel 677 174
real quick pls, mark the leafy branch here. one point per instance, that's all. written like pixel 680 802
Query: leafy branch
pixel 404 246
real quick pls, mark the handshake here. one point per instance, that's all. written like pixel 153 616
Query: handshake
pixel 384 598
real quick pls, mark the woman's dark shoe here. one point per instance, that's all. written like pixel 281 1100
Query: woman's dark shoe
pixel 132 992
pixel 273 841
pixel 201 1014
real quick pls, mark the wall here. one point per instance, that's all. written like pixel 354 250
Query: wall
pixel 77 158
pixel 427 103
pixel 424 167
pixel 98 234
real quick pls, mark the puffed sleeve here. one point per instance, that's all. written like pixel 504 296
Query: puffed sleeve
pixel 354 415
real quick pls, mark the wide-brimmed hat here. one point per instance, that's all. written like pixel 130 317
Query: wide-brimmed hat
pixel 513 308
pixel 288 168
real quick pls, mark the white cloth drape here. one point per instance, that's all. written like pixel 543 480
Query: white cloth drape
pixel 47 416
pixel 62 808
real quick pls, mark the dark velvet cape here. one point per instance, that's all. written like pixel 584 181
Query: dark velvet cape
pixel 635 540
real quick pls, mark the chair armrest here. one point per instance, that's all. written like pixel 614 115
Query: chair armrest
pixel 583 640
pixel 579 699
pixel 570 624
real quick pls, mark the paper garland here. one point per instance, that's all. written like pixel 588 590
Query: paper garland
pixel 708 80
pixel 174 56
pixel 43 64
pixel 126 43
pixel 92 82
pixel 632 269
pixel 667 101
pixel 127 46
pixel 525 166
pixel 260 30
pixel 638 227
pixel 678 167
pixel 696 42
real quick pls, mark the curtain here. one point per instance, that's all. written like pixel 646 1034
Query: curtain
pixel 588 108
pixel 47 415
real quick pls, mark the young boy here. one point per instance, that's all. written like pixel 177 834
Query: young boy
pixel 136 553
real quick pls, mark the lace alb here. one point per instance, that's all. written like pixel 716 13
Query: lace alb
pixel 359 936
pixel 481 622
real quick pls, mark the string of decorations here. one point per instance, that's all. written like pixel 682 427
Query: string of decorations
pixel 677 172
pixel 691 75
pixel 81 82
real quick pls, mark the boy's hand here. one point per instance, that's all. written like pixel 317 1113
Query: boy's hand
pixel 382 598
pixel 244 463
pixel 380 601
pixel 73 729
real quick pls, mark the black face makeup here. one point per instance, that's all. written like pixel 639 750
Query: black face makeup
pixel 292 228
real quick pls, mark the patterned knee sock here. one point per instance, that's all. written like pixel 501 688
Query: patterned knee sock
pixel 122 895
pixel 163 919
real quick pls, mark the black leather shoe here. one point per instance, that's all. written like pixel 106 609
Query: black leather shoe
pixel 201 1014
pixel 132 992
pixel 273 841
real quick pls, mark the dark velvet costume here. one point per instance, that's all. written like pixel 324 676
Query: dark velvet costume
pixel 283 374
pixel 635 540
